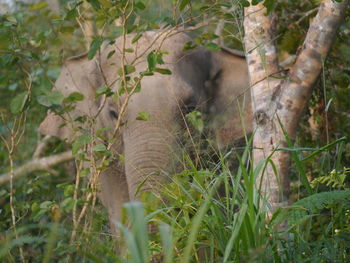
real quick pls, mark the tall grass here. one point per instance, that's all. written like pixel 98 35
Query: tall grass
pixel 212 214
pixel 216 215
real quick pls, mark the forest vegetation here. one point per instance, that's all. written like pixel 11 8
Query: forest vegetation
pixel 212 210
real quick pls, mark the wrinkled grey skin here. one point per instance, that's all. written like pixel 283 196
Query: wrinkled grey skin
pixel 213 81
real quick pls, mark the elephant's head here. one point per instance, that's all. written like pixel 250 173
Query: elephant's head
pixel 78 74
pixel 199 77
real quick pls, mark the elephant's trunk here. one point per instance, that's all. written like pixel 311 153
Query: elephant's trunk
pixel 149 152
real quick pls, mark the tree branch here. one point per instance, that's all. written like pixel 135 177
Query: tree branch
pixel 303 75
pixel 41 146
pixel 39 164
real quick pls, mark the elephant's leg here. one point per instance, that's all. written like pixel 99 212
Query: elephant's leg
pixel 114 193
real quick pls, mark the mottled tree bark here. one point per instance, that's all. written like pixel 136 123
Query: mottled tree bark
pixel 276 100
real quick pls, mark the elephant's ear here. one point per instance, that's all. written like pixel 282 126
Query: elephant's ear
pixel 79 74
pixel 54 125
pixel 230 79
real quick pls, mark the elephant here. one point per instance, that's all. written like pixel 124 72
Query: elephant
pixel 213 81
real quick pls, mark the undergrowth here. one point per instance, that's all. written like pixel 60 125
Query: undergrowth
pixel 211 214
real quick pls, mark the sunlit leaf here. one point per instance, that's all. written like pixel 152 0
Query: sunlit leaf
pixel 195 118
pixel 38 6
pixel 143 116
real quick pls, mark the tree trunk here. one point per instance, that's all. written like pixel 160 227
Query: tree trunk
pixel 276 100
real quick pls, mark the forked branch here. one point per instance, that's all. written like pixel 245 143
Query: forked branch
pixel 277 101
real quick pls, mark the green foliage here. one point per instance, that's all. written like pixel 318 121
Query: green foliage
pixel 195 118
pixel 334 179
pixel 210 210
pixel 95 46
pixel 143 116
pixel 314 204
pixel 216 216
pixel 18 103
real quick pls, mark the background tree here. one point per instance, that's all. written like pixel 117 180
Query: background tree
pixel 279 99
pixel 36 210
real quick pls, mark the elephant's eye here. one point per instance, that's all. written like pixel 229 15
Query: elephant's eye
pixel 113 114
pixel 189 105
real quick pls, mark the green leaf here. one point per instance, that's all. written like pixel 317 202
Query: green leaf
pixel 152 61
pixel 103 90
pixel 110 54
pixel 95 4
pixel 136 38
pixel 189 45
pixel 314 204
pixel 131 28
pixel 81 119
pixel 38 6
pixel 159 56
pixel 128 69
pixel 106 3
pixel 213 46
pixel 100 148
pixel 140 5
pixel 18 103
pixel 195 118
pixel 72 13
pixel 209 36
pixel 12 19
pixel 52 98
pixel 270 5
pixel 163 71
pixel 74 97
pixel 80 142
pixel 255 2
pixel 95 46
pixel 245 3
pixel 56 97
pixel 183 4
pixel 143 116
pixel 146 73
pixel 154 26
pixel 68 204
